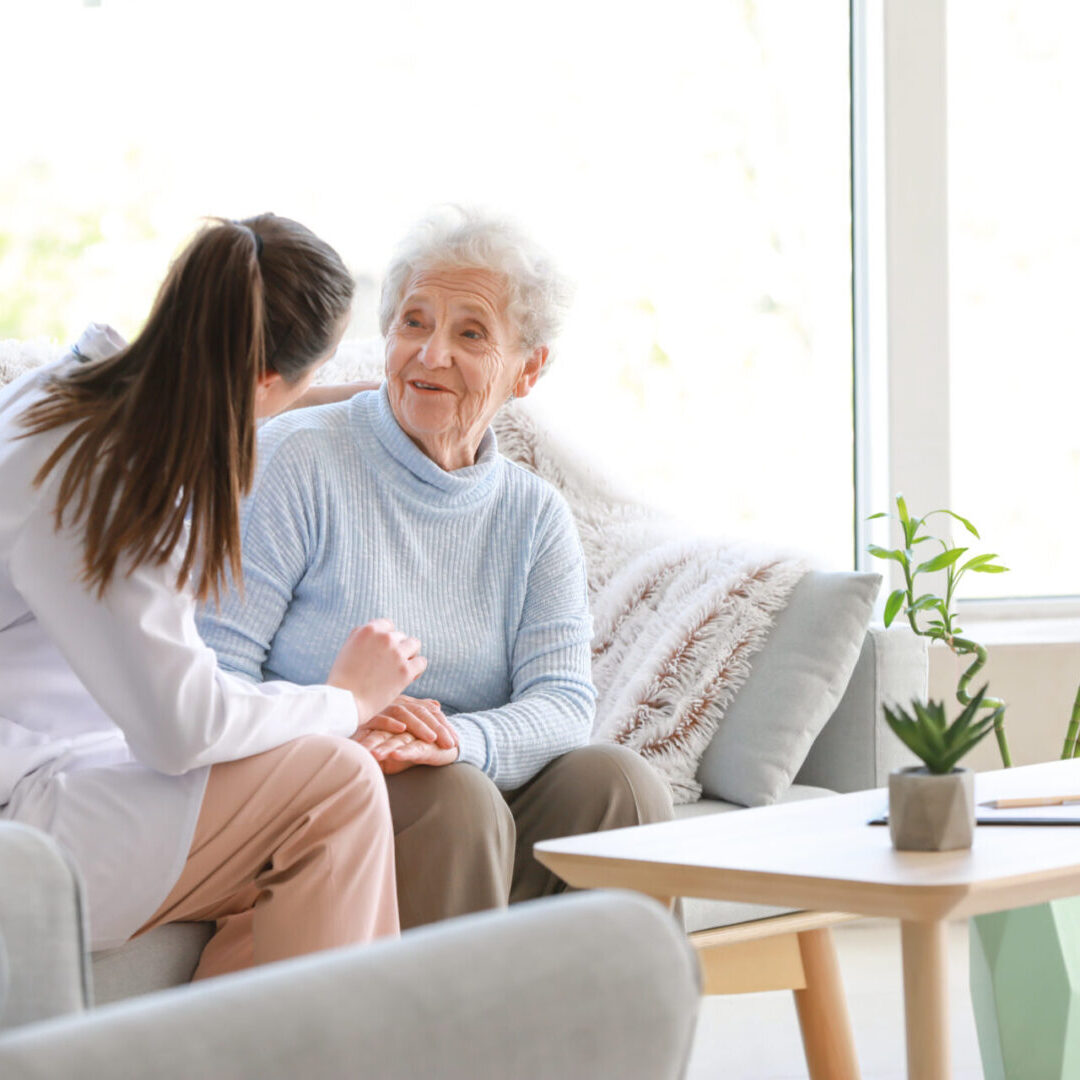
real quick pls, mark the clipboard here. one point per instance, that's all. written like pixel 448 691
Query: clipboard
pixel 1066 814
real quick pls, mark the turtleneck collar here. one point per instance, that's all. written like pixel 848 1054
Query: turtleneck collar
pixel 422 475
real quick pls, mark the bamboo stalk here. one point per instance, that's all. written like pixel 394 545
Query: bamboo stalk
pixel 964 647
pixel 1070 748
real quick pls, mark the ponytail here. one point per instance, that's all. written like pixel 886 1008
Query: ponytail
pixel 165 430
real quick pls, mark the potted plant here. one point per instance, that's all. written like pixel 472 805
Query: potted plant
pixel 932 806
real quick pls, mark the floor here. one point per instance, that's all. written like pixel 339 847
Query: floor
pixel 756 1036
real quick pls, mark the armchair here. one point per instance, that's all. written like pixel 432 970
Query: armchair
pixel 599 984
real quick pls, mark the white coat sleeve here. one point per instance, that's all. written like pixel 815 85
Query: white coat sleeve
pixel 138 653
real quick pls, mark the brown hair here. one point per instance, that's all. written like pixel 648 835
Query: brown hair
pixel 165 429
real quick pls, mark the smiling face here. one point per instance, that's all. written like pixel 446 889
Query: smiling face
pixel 453 356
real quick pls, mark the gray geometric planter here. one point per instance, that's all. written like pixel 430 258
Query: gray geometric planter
pixel 931 812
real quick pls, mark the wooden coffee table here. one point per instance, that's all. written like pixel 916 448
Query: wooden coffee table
pixel 821 855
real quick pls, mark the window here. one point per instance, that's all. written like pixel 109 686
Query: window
pixel 688 163
pixel 1014 254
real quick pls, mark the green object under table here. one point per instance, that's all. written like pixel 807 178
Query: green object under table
pixel 1025 989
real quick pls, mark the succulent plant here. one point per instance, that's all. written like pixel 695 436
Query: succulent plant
pixel 936 742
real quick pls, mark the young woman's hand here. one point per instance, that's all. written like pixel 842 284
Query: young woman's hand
pixel 375 664
pixel 397 752
pixel 422 717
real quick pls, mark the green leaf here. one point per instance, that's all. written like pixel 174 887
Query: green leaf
pixel 989 569
pixel 879 514
pixel 931 720
pixel 940 562
pixel 901 505
pixel 978 560
pixel 926 602
pixel 893 605
pixel 967 717
pixel 912 738
pixel 887 553
pixel 963 521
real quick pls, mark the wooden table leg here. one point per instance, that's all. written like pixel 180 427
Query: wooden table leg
pixel 926 999
pixel 823 1014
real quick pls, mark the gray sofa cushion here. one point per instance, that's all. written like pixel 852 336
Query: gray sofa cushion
pixel 857 750
pixel 4 977
pixel 795 683
pixel 164 957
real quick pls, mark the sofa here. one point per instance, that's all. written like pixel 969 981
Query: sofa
pixel 805 721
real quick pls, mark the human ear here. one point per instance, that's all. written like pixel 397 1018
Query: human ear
pixel 267 385
pixel 531 371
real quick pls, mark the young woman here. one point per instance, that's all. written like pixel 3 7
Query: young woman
pixel 183 792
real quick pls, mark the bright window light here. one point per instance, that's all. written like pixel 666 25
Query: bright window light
pixel 687 163
pixel 1014 248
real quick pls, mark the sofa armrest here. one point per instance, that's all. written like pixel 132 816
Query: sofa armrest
pixel 594 984
pixel 856 749
pixel 41 929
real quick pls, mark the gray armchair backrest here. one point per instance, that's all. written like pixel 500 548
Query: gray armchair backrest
pixel 42 929
pixel 856 749
pixel 576 987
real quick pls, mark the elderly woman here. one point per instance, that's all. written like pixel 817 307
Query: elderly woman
pixel 397 504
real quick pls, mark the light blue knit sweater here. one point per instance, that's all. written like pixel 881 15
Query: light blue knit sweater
pixel 349 521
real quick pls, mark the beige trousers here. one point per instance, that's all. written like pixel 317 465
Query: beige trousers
pixel 462 845
pixel 293 852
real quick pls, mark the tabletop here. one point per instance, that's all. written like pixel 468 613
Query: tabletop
pixel 822 854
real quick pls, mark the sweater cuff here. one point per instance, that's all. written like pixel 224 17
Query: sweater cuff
pixel 472 743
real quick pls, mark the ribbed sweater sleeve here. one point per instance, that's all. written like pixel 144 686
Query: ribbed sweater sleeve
pixel 278 525
pixel 553 700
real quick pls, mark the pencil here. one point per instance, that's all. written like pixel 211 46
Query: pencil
pixel 1042 800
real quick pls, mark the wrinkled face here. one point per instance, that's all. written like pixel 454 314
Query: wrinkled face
pixel 453 356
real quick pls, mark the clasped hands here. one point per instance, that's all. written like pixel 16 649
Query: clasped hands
pixel 376 662
pixel 409 731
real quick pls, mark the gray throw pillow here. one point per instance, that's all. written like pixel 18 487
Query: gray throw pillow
pixel 795 683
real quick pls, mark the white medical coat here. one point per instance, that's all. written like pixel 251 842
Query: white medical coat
pixel 112 710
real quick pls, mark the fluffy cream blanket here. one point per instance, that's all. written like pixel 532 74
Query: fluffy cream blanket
pixel 677 618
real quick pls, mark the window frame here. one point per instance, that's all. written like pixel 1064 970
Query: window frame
pixel 900 285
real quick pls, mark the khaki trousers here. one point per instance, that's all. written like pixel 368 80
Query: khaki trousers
pixel 463 846
pixel 293 852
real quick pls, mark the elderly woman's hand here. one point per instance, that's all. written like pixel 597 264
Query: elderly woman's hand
pixel 397 752
pixel 420 717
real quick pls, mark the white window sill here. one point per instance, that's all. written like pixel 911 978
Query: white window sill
pixel 1046 630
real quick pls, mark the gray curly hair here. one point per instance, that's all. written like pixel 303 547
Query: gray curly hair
pixel 455 237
